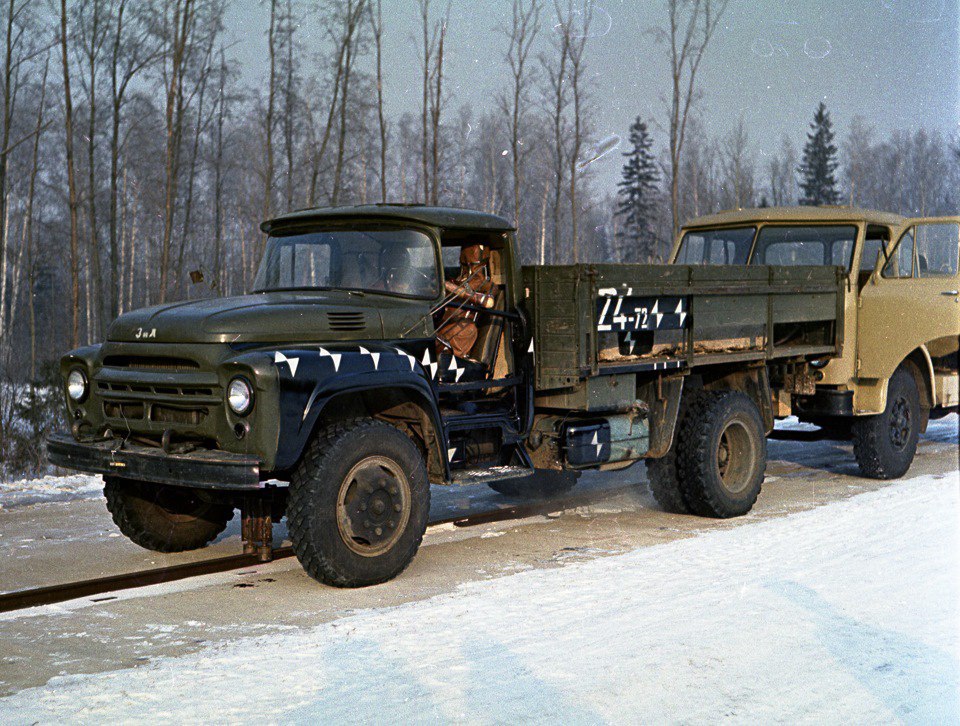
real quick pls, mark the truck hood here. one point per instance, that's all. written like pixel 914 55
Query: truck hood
pixel 259 318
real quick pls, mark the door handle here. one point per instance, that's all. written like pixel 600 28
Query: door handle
pixel 950 292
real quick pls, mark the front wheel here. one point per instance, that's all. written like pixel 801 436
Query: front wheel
pixel 721 455
pixel 884 445
pixel 358 504
pixel 164 518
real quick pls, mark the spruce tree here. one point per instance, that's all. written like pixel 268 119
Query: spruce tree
pixel 818 168
pixel 637 196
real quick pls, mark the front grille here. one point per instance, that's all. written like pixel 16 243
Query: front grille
pixel 150 363
pixel 169 414
pixel 346 321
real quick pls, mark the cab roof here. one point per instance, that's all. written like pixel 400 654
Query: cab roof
pixel 796 214
pixel 447 218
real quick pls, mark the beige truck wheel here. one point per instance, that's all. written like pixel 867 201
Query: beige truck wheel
pixel 884 445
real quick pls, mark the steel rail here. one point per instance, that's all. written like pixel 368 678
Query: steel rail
pixel 53 594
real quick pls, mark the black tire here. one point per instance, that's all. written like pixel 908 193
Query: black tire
pixel 721 455
pixel 164 518
pixel 543 484
pixel 663 475
pixel 664 483
pixel 358 504
pixel 884 445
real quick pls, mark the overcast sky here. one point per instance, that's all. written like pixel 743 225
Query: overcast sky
pixel 896 62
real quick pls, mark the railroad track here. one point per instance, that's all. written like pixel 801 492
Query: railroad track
pixel 99 589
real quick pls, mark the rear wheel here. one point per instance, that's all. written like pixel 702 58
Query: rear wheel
pixel 721 455
pixel 358 504
pixel 662 474
pixel 164 518
pixel 542 484
pixel 884 445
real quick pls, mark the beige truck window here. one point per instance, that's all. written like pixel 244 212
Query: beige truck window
pixel 928 250
pixel 808 245
pixel 716 247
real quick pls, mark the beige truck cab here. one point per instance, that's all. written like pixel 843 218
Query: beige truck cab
pixel 898 364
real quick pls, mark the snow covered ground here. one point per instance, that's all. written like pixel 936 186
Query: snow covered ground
pixel 846 612
pixel 49 489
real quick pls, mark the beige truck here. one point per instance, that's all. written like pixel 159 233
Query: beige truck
pixel 901 325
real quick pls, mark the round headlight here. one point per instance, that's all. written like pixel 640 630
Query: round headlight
pixel 77 385
pixel 240 396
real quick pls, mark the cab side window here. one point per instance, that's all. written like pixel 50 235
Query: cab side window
pixel 937 249
pixel 900 263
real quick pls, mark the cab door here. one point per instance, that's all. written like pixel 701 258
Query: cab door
pixel 912 299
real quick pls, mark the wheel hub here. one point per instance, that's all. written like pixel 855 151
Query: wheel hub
pixel 900 423
pixel 374 506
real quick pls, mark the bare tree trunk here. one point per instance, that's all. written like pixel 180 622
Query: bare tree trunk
pixel 436 108
pixel 218 173
pixel 28 241
pixel 331 112
pixel 268 142
pixel 354 13
pixel 194 152
pixel 377 25
pixel 182 22
pixel 93 54
pixel 8 101
pixel 688 44
pixel 520 35
pixel 557 88
pixel 577 45
pixel 71 180
pixel 288 104
pixel 428 44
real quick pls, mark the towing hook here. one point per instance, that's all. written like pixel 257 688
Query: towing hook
pixel 165 441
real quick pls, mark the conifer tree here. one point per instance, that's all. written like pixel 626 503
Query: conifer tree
pixel 637 193
pixel 818 168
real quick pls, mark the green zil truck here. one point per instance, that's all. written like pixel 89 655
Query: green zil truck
pixel 367 363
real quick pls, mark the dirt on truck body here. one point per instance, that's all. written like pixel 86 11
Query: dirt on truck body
pixel 386 348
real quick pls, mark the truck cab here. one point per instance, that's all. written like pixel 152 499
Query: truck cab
pixel 902 315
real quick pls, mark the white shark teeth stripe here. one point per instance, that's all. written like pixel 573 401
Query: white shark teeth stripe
pixel 410 359
pixel 374 356
pixel 428 362
pixel 596 442
pixel 451 453
pixel 335 357
pixel 455 368
pixel 279 358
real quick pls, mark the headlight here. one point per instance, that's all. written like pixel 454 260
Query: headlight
pixel 77 385
pixel 240 396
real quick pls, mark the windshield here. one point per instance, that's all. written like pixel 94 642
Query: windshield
pixel 716 247
pixel 393 261
pixel 814 245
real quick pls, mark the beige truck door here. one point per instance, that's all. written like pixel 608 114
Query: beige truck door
pixel 912 299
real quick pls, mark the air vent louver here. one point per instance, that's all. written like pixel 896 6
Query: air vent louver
pixel 346 321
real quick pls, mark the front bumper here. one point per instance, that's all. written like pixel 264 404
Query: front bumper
pixel 203 468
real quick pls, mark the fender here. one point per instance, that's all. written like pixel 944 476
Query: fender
pixel 871 397
pixel 310 376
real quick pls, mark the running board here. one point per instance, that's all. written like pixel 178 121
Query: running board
pixel 493 473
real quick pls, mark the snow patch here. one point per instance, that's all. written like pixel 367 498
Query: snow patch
pixel 50 489
pixel 847 612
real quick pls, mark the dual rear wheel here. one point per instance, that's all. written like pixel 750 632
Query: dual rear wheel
pixel 716 464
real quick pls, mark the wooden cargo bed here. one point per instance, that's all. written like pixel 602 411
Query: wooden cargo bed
pixel 608 319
